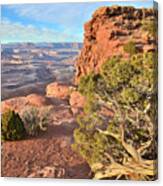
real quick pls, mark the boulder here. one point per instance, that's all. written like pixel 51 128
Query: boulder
pixel 77 102
pixel 57 90
pixel 16 104
pixel 36 100
pixel 19 103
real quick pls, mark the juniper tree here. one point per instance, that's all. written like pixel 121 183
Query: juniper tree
pixel 12 126
pixel 122 146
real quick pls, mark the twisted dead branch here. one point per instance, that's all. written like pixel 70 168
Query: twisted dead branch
pixel 133 167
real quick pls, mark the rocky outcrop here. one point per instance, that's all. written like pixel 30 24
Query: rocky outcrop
pixel 108 31
pixel 37 100
pixel 57 90
pixel 19 103
pixel 15 104
pixel 77 102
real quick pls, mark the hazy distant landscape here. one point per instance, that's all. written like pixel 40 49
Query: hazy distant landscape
pixel 29 67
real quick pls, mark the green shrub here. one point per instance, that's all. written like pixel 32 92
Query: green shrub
pixel 130 48
pixel 12 127
pixel 87 87
pixel 116 73
pixel 87 84
pixel 150 26
pixel 35 119
pixel 120 146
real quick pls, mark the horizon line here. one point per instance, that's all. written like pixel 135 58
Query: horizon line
pixel 29 42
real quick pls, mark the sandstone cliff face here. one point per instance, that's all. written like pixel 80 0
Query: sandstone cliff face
pixel 108 31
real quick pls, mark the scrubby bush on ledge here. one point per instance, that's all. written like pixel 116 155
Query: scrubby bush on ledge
pixel 35 119
pixel 122 146
pixel 12 127
pixel 130 48
pixel 150 26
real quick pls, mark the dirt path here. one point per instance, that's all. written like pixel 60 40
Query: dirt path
pixel 49 155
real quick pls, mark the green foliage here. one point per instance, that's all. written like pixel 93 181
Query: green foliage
pixel 129 96
pixel 145 79
pixel 86 87
pixel 130 48
pixel 116 73
pixel 35 120
pixel 150 26
pixel 129 81
pixel 12 127
pixel 86 136
pixel 129 89
pixel 87 84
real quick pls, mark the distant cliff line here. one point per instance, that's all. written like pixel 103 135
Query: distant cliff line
pixel 54 45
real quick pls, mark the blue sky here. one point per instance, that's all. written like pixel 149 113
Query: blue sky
pixel 55 22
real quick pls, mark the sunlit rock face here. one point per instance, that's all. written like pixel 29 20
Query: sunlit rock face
pixel 77 102
pixel 57 90
pixel 19 103
pixel 108 31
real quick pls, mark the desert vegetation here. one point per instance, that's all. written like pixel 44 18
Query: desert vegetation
pixel 103 123
pixel 150 26
pixel 12 127
pixel 130 48
pixel 117 131
pixel 121 146
pixel 29 122
pixel 35 119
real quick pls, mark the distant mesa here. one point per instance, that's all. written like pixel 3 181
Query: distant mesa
pixel 19 53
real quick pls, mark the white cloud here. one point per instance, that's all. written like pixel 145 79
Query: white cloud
pixel 60 13
pixel 69 16
pixel 67 19
pixel 16 32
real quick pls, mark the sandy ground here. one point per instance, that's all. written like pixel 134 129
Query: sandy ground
pixel 47 155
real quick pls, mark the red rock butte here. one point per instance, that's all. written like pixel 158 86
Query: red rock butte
pixel 108 31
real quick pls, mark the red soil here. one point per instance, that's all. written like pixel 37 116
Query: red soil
pixel 49 155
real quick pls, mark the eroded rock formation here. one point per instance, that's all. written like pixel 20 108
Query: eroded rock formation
pixel 77 102
pixel 19 103
pixel 57 90
pixel 108 31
